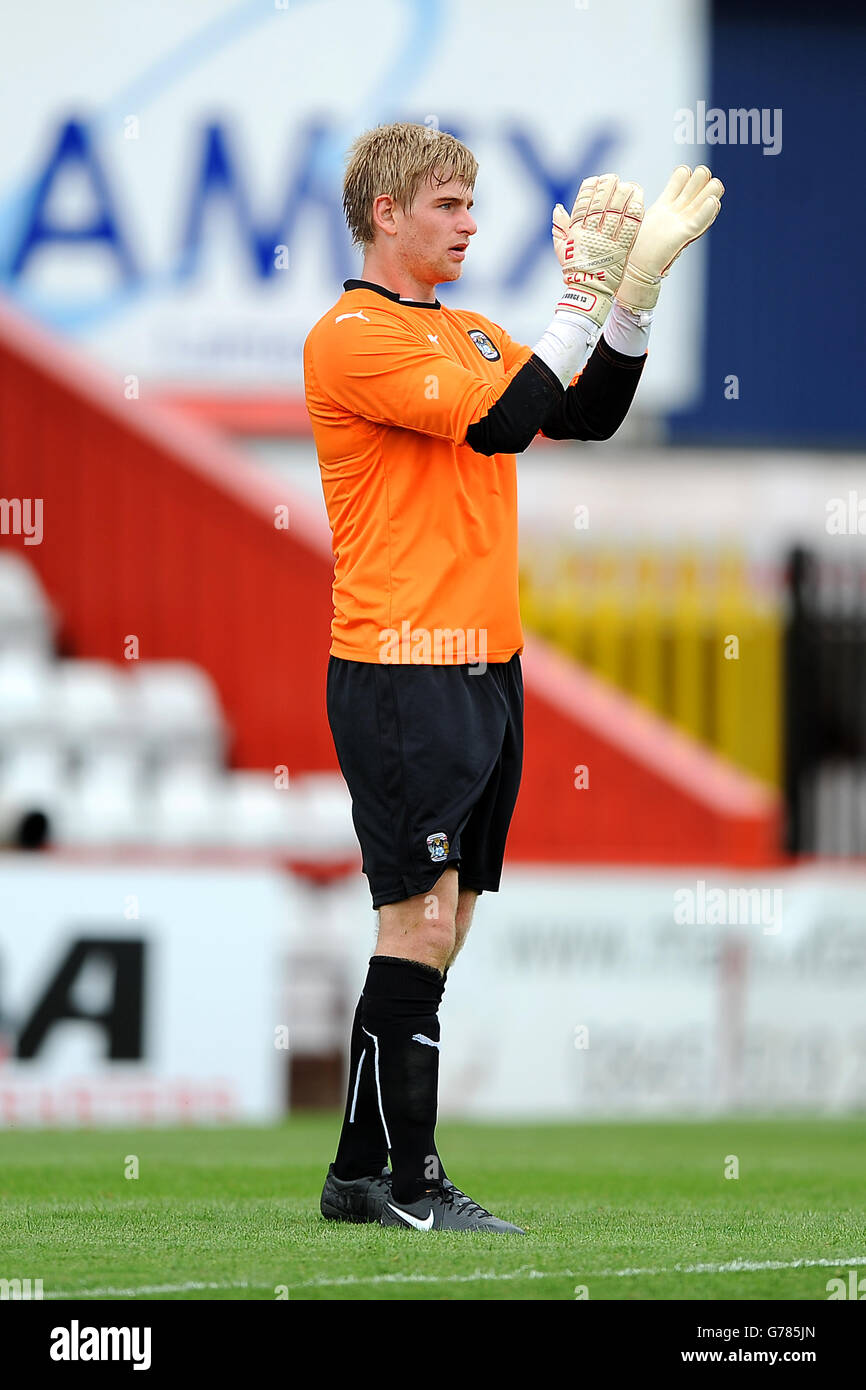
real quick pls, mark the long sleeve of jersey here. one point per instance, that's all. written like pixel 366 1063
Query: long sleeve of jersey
pixel 375 365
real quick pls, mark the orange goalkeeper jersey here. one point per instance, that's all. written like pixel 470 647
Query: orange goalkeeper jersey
pixel 424 528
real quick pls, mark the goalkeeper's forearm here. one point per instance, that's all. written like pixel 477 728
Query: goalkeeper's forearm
pixel 594 407
pixel 537 398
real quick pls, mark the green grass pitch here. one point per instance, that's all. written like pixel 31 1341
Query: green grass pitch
pixel 626 1211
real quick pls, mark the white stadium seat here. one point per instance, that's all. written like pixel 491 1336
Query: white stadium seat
pixel 27 619
pixel 96 706
pixel 257 814
pixel 179 714
pixel 33 774
pixel 28 704
pixel 324 814
pixel 33 770
pixel 102 805
pixel 185 808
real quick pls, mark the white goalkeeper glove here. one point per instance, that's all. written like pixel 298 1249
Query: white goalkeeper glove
pixel 593 243
pixel 686 209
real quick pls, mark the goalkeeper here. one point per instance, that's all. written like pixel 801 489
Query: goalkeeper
pixel 418 411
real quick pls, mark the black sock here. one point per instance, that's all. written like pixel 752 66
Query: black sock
pixel 440 1170
pixel 362 1151
pixel 398 1015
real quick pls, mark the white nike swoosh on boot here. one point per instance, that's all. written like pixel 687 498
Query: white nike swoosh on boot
pixel 415 1221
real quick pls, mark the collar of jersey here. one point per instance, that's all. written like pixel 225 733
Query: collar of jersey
pixel 389 294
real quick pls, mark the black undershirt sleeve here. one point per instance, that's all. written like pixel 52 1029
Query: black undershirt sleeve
pixel 592 409
pixel 598 402
pixel 515 419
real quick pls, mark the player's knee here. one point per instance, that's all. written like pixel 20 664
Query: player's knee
pixel 437 938
pixel 409 931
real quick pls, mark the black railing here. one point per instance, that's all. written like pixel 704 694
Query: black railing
pixel 825 705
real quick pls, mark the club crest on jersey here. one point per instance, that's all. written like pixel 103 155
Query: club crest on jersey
pixel 437 843
pixel 484 345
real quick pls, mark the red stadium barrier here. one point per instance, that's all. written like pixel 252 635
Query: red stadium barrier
pixel 613 782
pixel 154 528
pixel 284 415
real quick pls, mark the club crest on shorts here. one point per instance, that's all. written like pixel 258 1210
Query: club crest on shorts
pixel 484 345
pixel 437 843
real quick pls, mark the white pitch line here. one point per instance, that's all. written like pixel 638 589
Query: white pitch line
pixel 349 1280
pixel 732 1267
pixel 480 1274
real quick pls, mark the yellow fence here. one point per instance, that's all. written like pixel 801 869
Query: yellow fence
pixel 691 634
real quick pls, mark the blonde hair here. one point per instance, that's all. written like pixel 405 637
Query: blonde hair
pixel 397 159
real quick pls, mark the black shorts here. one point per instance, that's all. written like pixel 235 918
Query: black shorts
pixel 432 756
